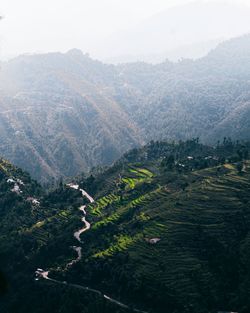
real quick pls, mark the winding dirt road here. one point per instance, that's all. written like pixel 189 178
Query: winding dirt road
pixel 43 274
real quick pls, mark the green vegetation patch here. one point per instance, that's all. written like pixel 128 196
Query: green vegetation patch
pixel 103 202
pixel 122 242
pixel 140 175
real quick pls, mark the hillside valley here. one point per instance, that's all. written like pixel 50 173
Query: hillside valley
pixel 125 156
pixel 169 227
pixel 61 114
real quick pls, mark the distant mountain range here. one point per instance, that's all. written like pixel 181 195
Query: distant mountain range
pixel 61 114
pixel 189 51
pixel 188 30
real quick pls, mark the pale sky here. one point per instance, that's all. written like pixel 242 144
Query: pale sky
pixel 59 25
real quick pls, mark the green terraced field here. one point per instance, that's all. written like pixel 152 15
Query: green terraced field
pixel 163 237
pixel 209 216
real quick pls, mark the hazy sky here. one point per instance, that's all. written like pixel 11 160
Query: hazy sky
pixel 52 25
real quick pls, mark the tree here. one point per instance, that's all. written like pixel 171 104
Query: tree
pixel 239 166
pixel 3 283
pixel 246 154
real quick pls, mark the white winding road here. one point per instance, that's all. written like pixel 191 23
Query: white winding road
pixel 40 273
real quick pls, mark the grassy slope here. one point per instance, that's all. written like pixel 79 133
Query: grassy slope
pixel 196 264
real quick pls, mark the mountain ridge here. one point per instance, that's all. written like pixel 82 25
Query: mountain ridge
pixel 68 113
pixel 179 26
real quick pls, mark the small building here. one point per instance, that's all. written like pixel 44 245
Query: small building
pixel 20 182
pixel 153 241
pixel 72 185
pixel 208 157
pixel 10 181
pixel 16 189
pixel 34 201
pixel 182 165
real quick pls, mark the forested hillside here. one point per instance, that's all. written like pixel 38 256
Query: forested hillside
pixel 169 228
pixel 208 98
pixel 61 114
pixel 57 118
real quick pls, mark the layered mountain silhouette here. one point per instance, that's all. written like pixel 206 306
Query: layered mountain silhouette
pixel 187 30
pixel 61 114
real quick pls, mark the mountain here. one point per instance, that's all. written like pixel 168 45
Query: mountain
pixel 188 51
pixel 61 114
pixel 179 27
pixel 169 227
pixel 194 98
pixel 58 114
